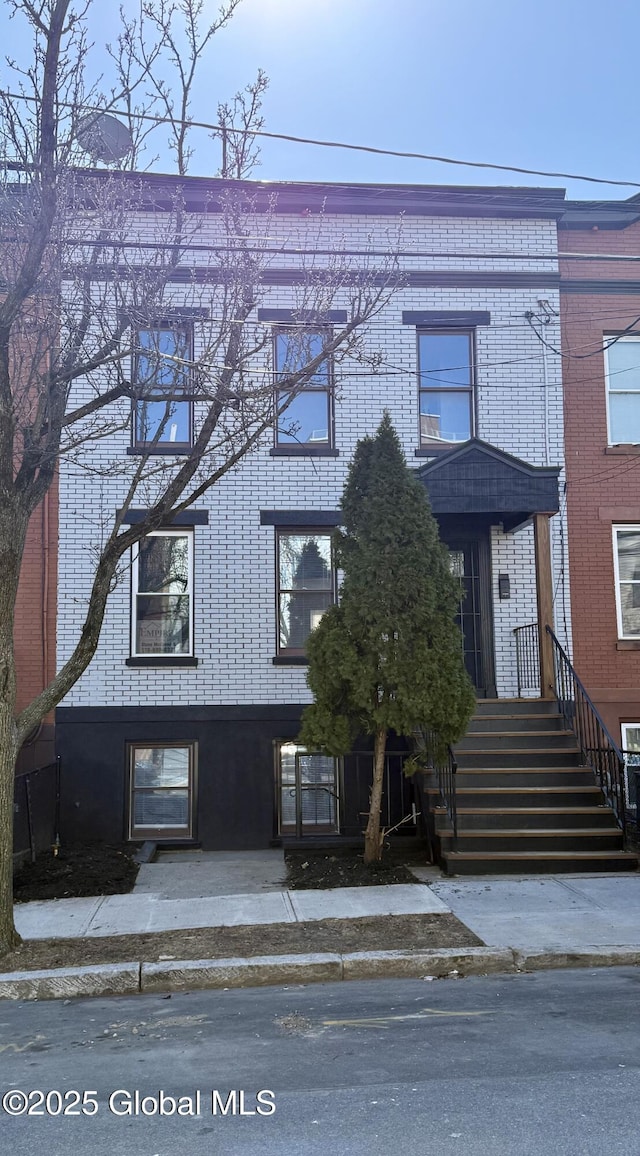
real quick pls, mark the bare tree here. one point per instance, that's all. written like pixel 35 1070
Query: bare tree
pixel 89 261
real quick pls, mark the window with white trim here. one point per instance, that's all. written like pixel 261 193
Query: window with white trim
pixel 306 586
pixel 162 415
pixel 631 751
pixel 622 372
pixel 162 594
pixel 161 779
pixel 307 420
pixel 446 376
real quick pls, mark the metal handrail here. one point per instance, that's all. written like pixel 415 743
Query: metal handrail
pixel 527 657
pixel 441 760
pixel 599 749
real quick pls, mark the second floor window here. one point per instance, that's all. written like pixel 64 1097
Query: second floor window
pixel 307 420
pixel 622 361
pixel 306 586
pixel 162 603
pixel 162 413
pixel 446 387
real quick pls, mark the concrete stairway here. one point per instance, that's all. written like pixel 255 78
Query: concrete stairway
pixel 525 801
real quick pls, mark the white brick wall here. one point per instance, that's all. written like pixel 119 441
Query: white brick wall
pixel 235 620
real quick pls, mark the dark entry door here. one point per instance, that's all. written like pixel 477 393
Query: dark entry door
pixel 470 565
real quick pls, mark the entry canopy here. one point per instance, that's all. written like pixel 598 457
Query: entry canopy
pixel 477 478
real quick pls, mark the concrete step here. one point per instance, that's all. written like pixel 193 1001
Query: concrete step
pixel 517 758
pixel 537 862
pixel 514 723
pixel 515 740
pixel 545 840
pixel 528 818
pixel 515 706
pixel 519 796
pixel 524 777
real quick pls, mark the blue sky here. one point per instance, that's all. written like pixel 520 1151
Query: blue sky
pixel 548 86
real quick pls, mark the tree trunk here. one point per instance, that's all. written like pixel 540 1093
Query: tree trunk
pixel 373 836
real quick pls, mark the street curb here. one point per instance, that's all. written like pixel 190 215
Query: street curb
pixel 70 982
pixel 540 959
pixel 182 975
pixel 318 967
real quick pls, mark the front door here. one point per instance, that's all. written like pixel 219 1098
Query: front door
pixel 308 788
pixel 470 563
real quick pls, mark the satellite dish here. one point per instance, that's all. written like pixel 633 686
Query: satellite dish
pixel 104 137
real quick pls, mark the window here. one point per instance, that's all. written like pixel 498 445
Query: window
pixel 307 421
pixel 306 586
pixel 626 557
pixel 162 416
pixel 307 791
pixel 631 752
pixel 162 577
pixel 161 790
pixel 622 368
pixel 446 386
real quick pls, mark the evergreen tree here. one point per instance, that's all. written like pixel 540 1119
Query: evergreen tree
pixel 388 657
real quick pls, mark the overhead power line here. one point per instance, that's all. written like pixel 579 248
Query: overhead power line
pixel 347 145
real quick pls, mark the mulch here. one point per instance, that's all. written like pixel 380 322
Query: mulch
pixel 344 868
pixel 78 870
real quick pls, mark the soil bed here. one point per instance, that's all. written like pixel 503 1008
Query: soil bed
pixel 328 869
pixel 79 869
pixel 379 933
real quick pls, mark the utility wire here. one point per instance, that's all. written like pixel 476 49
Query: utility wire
pixel 332 144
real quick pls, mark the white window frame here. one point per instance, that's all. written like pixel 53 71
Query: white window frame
pixel 182 532
pixel 624 727
pixel 610 382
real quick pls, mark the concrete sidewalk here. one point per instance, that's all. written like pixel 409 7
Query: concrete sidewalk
pixel 568 912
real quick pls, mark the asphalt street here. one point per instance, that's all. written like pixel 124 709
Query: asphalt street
pixel 491 1066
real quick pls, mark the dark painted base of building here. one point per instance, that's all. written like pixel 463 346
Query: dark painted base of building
pixel 235 789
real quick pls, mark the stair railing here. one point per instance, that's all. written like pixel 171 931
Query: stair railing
pixel 440 759
pixel 527 657
pixel 598 748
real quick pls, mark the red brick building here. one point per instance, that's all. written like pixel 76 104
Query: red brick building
pixel 35 623
pixel 599 246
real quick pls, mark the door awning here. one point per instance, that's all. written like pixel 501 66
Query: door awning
pixel 477 478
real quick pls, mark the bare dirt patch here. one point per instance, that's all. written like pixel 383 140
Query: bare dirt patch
pixel 379 933
pixel 329 869
pixel 79 869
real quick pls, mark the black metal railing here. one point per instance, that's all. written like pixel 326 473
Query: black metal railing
pixel 527 657
pixel 599 749
pixel 37 810
pixel 438 758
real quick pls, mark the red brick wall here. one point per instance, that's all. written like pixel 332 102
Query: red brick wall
pixel 35 621
pixel 603 483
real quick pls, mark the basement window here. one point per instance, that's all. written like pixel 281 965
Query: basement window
pixel 161 778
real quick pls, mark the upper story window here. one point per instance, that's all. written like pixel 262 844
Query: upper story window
pixel 446 376
pixel 622 366
pixel 162 594
pixel 162 417
pixel 626 558
pixel 308 419
pixel 306 586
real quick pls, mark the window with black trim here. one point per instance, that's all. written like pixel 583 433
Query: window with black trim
pixel 446 377
pixel 161 790
pixel 162 594
pixel 162 414
pixel 306 586
pixel 308 418
pixel 622 368
pixel 308 790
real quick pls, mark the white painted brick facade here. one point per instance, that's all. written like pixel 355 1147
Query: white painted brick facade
pixel 235 617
